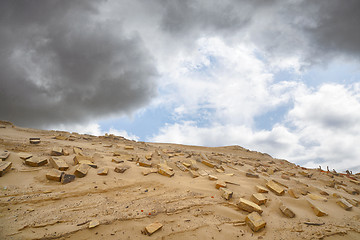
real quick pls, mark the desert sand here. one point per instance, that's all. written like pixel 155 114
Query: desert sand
pixel 164 191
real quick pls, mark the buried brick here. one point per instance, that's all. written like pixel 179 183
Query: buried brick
pixel 193 165
pixel 91 164
pixel 206 161
pixel 148 171
pixel 4 155
pixel 78 151
pixel 144 163
pixel 103 171
pixel 293 194
pixel 252 175
pixel 165 170
pixel 57 151
pixel 4 167
pixel 286 211
pixel 58 163
pixel 261 189
pixel 344 204
pixel 25 156
pixel 121 169
pixel 79 158
pixel 34 140
pixel 249 206
pixel 82 170
pixel 181 166
pixel 212 178
pixel 226 193
pixel 36 162
pixel 258 198
pixel 317 197
pixel 318 211
pixel 54 175
pixel 255 221
pixel 153 227
pixel 275 188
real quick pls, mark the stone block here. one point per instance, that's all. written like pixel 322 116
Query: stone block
pixel 60 137
pixel 275 188
pixel 79 158
pixel 317 197
pixel 94 223
pixel 121 169
pixel 255 221
pixel 54 175
pixel 25 156
pixel 355 181
pixel 58 163
pixel 219 170
pixel 165 170
pixel 129 147
pixel 148 171
pixel 318 211
pixel 103 171
pixel 352 202
pixel 293 193
pixel 280 184
pixel 261 189
pixel 258 198
pixel 144 163
pixel 188 165
pixel 249 206
pixel 117 160
pixel 193 174
pixel 66 178
pixel 287 211
pixel 34 140
pixel 153 227
pixel 148 157
pixel 36 162
pixel 203 173
pixel 57 151
pixel 212 178
pixel 193 165
pixel 252 175
pixel 4 155
pixel 4 167
pixel 78 151
pixel 181 166
pixel 226 193
pixel 220 183
pixel 91 164
pixel 82 170
pixel 344 204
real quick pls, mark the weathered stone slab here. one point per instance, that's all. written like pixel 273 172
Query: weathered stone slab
pixel 318 211
pixel 219 170
pixel 25 156
pixel 193 165
pixel 144 163
pixel 316 197
pixel 148 157
pixel 121 169
pixel 78 151
pixel 193 174
pixel 54 175
pixel 255 221
pixel 60 137
pixel 203 173
pixel 261 189
pixel 148 171
pixel 258 198
pixel 79 158
pixel 181 166
pixel 352 202
pixel 66 178
pixel 275 188
pixel 103 171
pixel 252 175
pixel 280 183
pixel 212 178
pixel 58 163
pixel 344 204
pixel 117 160
pixel 36 162
pixel 249 206
pixel 226 193
pixel 4 155
pixel 165 170
pixel 287 211
pixel 34 140
pixel 4 168
pixel 82 170
pixel 91 164
pixel 220 183
pixel 293 193
pixel 57 151
pixel 150 229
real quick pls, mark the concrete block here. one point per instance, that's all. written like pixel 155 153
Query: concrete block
pixel 152 228
pixel 258 198
pixel 4 168
pixel 103 171
pixel 82 170
pixel 58 163
pixel 193 174
pixel 4 155
pixel 287 211
pixel 54 175
pixel 66 178
pixel 275 188
pixel 181 166
pixel 249 206
pixel 252 175
pixel 344 204
pixel 226 193
pixel 318 211
pixel 255 221
pixel 220 183
pixel 188 165
pixel 57 151
pixel 261 189
pixel 36 162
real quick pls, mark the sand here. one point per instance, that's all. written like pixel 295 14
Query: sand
pixel 120 205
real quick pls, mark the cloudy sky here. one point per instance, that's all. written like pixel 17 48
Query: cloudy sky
pixel 281 77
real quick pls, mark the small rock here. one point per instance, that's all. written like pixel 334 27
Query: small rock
pixel 165 170
pixel 293 194
pixel 94 223
pixel 148 171
pixel 121 169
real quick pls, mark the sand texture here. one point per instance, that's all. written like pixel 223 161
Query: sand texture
pixel 154 195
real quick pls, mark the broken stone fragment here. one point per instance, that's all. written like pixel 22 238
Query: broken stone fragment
pixel 4 167
pixel 286 211
pixel 148 157
pixel 58 163
pixel 36 162
pixel 82 170
pixel 54 175
pixel 252 175
pixel 25 156
pixel 249 206
pixel 34 140
pixel 220 183
pixel 258 198
pixel 60 137
pixel 212 178
pixel 66 178
pixel 57 151
pixel 4 155
pixel 219 170
pixel 275 188
pixel 344 204
pixel 255 221
pixel 208 163
pixel 193 174
pixel 121 169
pixel 318 211
pixel 144 163
pixel 165 170
pixel 94 223
pixel 355 182
pixel 153 227
pixel 261 189
pixel 103 171
pixel 79 158
pixel 226 193
pixel 293 194
pixel 284 176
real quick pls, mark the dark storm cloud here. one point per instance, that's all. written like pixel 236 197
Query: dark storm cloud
pixel 60 63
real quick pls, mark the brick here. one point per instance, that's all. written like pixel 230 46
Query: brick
pixel 103 171
pixel 226 193
pixel 58 163
pixel 280 184
pixel 4 168
pixel 117 160
pixel 144 163
pixel 94 223
pixel 275 188
pixel 121 169
pixel 60 137
pixel 344 204
pixel 82 170
pixel 79 158
pixel 220 183
pixel 193 174
pixel 25 156
pixel 193 165
pixel 188 165
pixel 4 155
pixel 352 202
pixel 78 151
pixel 165 170
pixel 36 162
pixel 249 206
pixel 317 197
pixel 152 228
pixel 54 175
pixel 34 140
pixel 128 147
pixel 318 211
pixel 57 151
pixel 148 157
pixel 212 178
pixel 91 164
pixel 287 211
pixel 252 175
pixel 203 173
pixel 324 193
pixel 293 193
pixel 258 198
pixel 181 166
pixel 148 171
pixel 355 181
pixel 219 170
pixel 66 178
pixel 261 189
pixel 255 221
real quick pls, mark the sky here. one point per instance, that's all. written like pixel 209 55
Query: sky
pixel 275 76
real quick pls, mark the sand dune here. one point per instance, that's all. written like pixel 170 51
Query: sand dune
pixel 124 203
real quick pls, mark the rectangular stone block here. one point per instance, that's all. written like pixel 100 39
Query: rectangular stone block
pixel 344 204
pixel 193 165
pixel 57 151
pixel 261 189
pixel 59 164
pixel 66 178
pixel 25 156
pixel 212 178
pixel 258 198
pixel 150 229
pixel 78 151
pixel 36 162
pixel 181 166
pixel 275 188
pixel 220 183
pixel 54 175
pixel 252 175
pixel 129 147
pixel 144 163
pixel 4 155
pixel 148 171
pixel 165 170
pixel 82 170
pixel 249 206
pixel 103 171
pixel 226 193
pixel 34 140
pixel 317 197
pixel 188 165
pixel 79 158
pixel 355 182
pixel 91 164
pixel 318 211
pixel 193 174
pixel 4 167
pixel 293 193
pixel 255 221
pixel 287 211
pixel 208 163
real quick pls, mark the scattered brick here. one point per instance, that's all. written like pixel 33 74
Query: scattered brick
pixel 78 151
pixel 261 189
pixel 318 212
pixel 258 198
pixel 58 163
pixel 82 170
pixel 4 155
pixel 252 175
pixel 128 147
pixel 36 162
pixel 34 140
pixel 181 166
pixel 144 163
pixel 293 194
pixel 255 221
pixel 212 178
pixel 316 197
pixel 25 156
pixel 153 227
pixel 66 178
pixel 249 206
pixel 4 168
pixel 121 169
pixel 57 151
pixel 286 211
pixel 275 188
pixel 148 171
pixel 193 174
pixel 193 165
pixel 103 171
pixel 220 183
pixel 226 193
pixel 344 204
pixel 54 175
pixel 165 170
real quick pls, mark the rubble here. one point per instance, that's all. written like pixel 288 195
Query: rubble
pixel 181 166
pixel 25 156
pixel 193 165
pixel 66 178
pixel 4 168
pixel 220 183
pixel 144 163
pixel 148 171
pixel 316 197
pixel 255 221
pixel 57 151
pixel 293 194
pixel 78 151
pixel 121 169
pixel 252 175
pixel 165 170
pixel 249 206
pixel 318 212
pixel 4 155
pixel 344 204
pixel 212 178
pixel 261 189
pixel 129 147
pixel 193 174
pixel 78 158
pixel 206 161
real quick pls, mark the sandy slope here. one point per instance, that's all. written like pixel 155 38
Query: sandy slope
pixel 32 207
